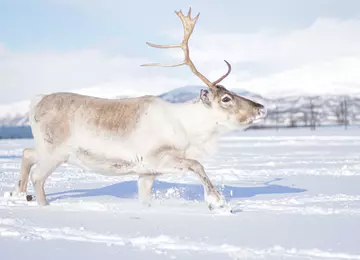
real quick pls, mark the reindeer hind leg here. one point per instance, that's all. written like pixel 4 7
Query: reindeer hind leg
pixel 44 168
pixel 28 159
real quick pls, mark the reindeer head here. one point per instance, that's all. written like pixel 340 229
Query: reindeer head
pixel 234 109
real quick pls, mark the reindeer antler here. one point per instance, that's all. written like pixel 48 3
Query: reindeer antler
pixel 188 25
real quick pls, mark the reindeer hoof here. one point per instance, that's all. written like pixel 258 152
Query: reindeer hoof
pixel 214 202
pixel 43 203
pixel 216 206
pixel 220 204
pixel 212 207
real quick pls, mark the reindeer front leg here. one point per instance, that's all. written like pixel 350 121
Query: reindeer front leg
pixel 145 183
pixel 212 195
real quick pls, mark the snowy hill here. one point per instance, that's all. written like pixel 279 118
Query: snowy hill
pixel 285 111
pixel 15 114
pixel 187 93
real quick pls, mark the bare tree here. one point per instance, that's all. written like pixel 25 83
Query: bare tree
pixel 277 116
pixel 312 115
pixel 305 118
pixel 293 119
pixel 341 113
pixel 346 122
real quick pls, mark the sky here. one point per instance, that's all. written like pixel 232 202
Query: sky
pixel 278 47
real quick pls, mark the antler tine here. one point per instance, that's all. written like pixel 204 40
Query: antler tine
pixel 164 46
pixel 189 13
pixel 224 76
pixel 163 65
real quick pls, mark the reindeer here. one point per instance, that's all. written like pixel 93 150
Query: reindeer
pixel 144 135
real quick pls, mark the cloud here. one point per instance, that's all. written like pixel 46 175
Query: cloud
pixel 2 50
pixel 23 75
pixel 321 58
pixel 339 76
pixel 325 39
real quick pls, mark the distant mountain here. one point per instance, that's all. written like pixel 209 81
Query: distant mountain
pixel 285 111
pixel 16 114
pixel 187 93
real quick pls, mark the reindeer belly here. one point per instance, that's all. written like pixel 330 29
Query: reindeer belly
pixel 106 165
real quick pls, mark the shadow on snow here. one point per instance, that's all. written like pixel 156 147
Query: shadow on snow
pixel 162 189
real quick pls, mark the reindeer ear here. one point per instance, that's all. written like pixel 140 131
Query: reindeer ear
pixel 204 96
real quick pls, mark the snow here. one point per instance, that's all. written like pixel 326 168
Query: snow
pixel 295 195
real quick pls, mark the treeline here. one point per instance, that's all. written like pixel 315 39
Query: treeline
pixel 312 112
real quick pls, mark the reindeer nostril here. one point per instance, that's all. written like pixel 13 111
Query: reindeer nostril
pixel 261 111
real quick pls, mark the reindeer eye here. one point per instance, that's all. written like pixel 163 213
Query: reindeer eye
pixel 226 99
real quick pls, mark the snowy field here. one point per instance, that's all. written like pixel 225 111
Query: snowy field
pixel 296 195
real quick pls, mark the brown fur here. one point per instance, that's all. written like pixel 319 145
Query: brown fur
pixel 57 110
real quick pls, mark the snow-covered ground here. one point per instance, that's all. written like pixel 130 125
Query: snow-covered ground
pixel 296 195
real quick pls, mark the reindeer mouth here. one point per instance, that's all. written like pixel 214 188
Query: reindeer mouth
pixel 250 120
pixel 261 114
pixel 256 119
